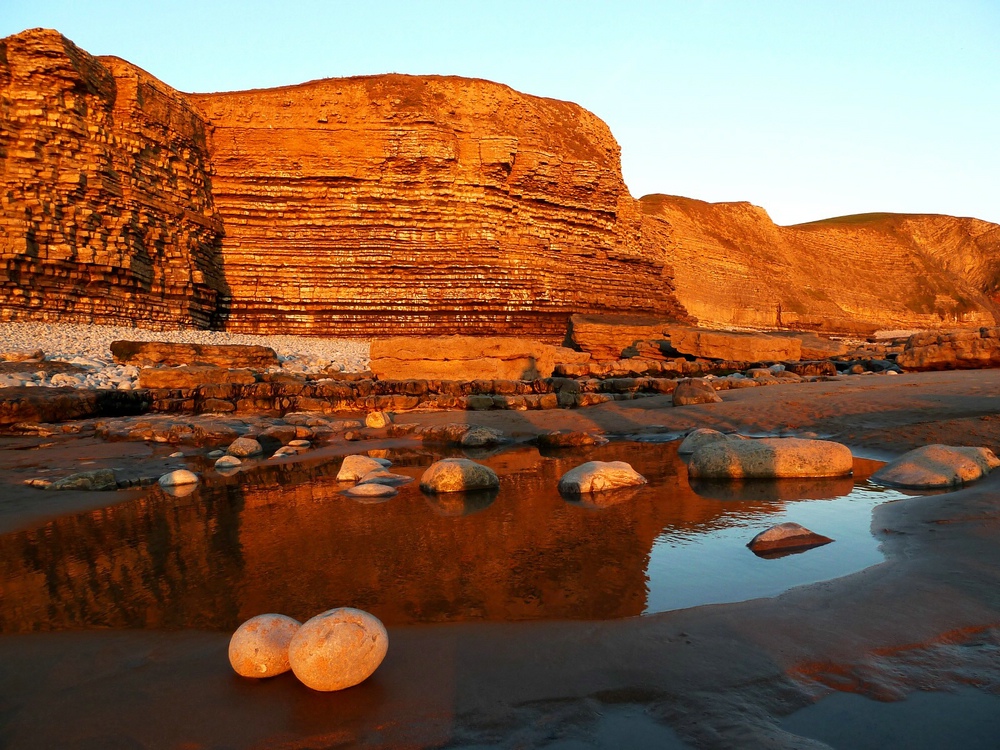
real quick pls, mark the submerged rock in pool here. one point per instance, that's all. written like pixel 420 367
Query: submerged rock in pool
pixel 786 537
pixel 770 458
pixel 458 475
pixel 381 476
pixel 937 466
pixel 97 479
pixel 599 476
pixel 568 439
pixel 356 466
pixel 259 647
pixel 370 490
pixel 478 437
pixel 338 649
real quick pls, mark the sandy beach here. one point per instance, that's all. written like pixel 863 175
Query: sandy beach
pixel 927 619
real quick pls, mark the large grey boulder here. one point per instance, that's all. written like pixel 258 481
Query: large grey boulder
pixel 937 465
pixel 599 476
pixel 458 475
pixel 771 458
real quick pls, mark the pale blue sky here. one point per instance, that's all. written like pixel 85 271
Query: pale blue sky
pixel 809 108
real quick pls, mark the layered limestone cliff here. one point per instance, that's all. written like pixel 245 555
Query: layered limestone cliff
pixel 105 203
pixel 400 204
pixel 734 266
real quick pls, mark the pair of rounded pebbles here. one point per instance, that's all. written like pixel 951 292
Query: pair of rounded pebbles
pixel 334 650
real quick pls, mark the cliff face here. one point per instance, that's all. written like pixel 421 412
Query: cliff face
pixel 105 204
pixel 409 205
pixel 734 266
pixel 398 204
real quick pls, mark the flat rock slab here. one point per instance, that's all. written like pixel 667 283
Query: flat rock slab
pixel 770 458
pixel 751 347
pixel 466 358
pixel 193 376
pixel 36 405
pixel 147 353
pixel 606 337
pixel 49 367
pixel 934 466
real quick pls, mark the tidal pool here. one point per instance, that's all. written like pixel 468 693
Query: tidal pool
pixel 282 538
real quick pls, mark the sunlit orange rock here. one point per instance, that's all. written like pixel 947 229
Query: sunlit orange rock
pixel 338 649
pixel 259 647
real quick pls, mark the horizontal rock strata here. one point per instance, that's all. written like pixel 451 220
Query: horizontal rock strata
pixel 383 204
pixel 106 210
pixel 733 266
pixel 431 205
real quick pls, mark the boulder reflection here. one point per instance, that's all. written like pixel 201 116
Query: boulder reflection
pixel 281 538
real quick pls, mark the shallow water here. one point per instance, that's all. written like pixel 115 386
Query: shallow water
pixel 282 538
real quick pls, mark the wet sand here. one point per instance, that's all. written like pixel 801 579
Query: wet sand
pixel 717 676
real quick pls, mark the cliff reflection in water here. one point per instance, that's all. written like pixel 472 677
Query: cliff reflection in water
pixel 283 539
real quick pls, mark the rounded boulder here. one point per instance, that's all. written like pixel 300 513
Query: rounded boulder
pixel 178 478
pixel 703 436
pixel 356 466
pixel 770 458
pixel 244 447
pixel 458 475
pixel 338 649
pixel 227 462
pixel 695 391
pixel 377 420
pixel 259 647
pixel 937 466
pixel 599 476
